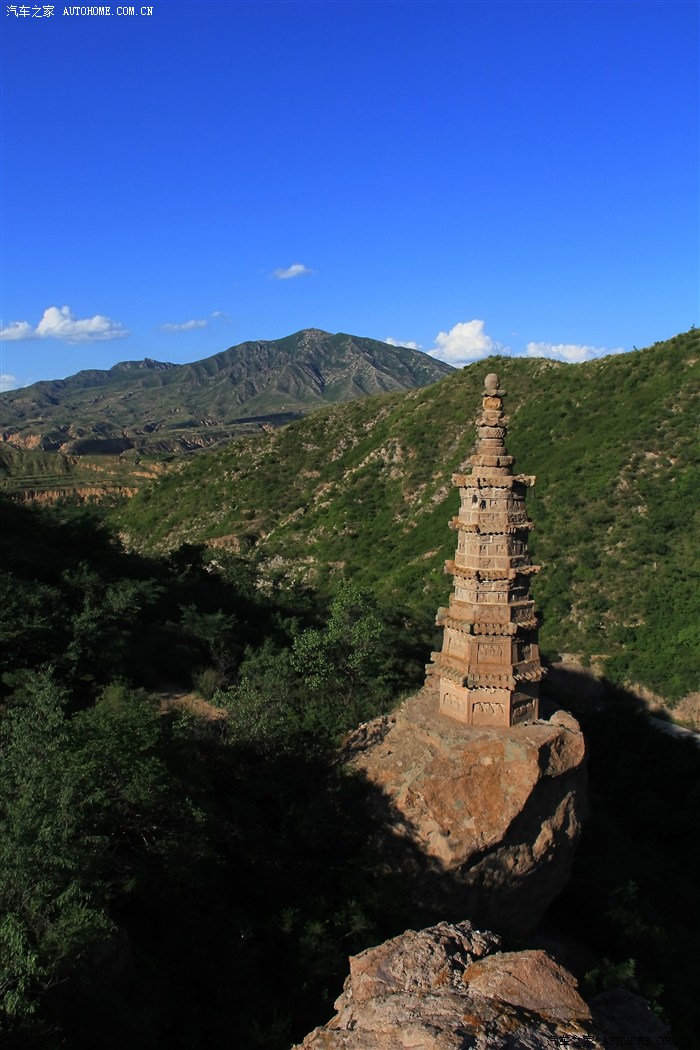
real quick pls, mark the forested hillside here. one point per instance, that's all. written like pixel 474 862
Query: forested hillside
pixel 363 492
pixel 173 878
pixel 157 864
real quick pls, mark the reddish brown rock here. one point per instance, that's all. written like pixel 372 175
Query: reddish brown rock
pixel 482 820
pixel 448 988
pixel 531 980
pixel 418 961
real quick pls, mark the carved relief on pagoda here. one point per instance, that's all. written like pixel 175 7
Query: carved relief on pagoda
pixel 493 518
pixel 490 552
pixel 455 705
pixel 524 709
pixel 495 614
pixel 457 644
pixel 524 651
pixel 488 713
pixel 494 652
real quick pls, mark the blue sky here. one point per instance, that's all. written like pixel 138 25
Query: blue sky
pixel 463 177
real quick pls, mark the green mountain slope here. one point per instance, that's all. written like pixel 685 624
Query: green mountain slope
pixel 156 407
pixel 364 491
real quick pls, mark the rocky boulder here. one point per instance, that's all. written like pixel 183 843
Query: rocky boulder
pixel 449 988
pixel 482 821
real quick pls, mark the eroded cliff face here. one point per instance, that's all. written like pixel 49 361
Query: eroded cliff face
pixel 449 987
pixel 483 821
pixel 83 493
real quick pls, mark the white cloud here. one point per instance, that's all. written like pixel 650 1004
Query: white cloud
pixel 185 326
pixel 200 322
pixel 7 382
pixel 406 342
pixel 571 352
pixel 17 330
pixel 295 270
pixel 59 323
pixel 467 341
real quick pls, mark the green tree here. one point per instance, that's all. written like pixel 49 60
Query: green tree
pixel 342 665
pixel 217 633
pixel 87 812
pixel 264 705
pixel 48 914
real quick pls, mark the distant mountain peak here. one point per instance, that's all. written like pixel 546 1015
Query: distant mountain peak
pixel 264 380
pixel 319 332
pixel 147 362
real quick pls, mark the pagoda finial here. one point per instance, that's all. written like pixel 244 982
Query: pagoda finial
pixel 491 384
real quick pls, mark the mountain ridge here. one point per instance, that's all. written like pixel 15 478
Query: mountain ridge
pixel 273 379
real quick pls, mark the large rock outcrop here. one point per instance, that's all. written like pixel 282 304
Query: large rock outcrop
pixel 483 821
pixel 451 988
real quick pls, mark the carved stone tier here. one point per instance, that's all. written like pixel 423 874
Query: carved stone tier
pixel 489 666
pixel 488 573
pixel 514 610
pixel 480 528
pixel 511 627
pixel 506 481
pixel 489 459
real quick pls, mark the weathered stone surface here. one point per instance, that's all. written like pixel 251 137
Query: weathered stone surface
pixel 482 820
pixel 531 980
pixel 417 962
pixel 448 988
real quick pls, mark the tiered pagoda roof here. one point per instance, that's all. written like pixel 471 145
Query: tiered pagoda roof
pixel 489 667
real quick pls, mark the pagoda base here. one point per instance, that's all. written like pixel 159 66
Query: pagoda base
pixel 487 707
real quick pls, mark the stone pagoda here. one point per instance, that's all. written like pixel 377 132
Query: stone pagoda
pixel 489 668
